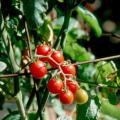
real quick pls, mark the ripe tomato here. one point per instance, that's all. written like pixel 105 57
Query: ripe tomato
pixel 46 59
pixel 67 97
pixel 69 69
pixel 58 57
pixel 55 86
pixel 38 69
pixel 72 85
pixel 43 50
pixel 81 96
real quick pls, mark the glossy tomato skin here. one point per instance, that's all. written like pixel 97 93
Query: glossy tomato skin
pixel 67 97
pixel 81 96
pixel 55 86
pixel 46 59
pixel 69 69
pixel 43 50
pixel 58 57
pixel 72 85
pixel 38 69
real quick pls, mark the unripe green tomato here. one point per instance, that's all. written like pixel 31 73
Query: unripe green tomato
pixel 81 96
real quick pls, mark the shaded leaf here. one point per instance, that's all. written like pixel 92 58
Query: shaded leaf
pixel 34 12
pixel 89 111
pixel 12 116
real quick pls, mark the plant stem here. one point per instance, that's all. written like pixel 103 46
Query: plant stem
pixel 30 99
pixel 63 30
pixel 15 67
pixel 38 100
pixel 28 40
pixel 20 105
pixel 97 84
pixel 77 63
pixel 98 60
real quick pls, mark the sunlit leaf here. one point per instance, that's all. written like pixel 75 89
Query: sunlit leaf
pixel 3 66
pixel 90 19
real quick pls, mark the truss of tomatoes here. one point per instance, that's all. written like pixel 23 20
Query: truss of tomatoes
pixel 67 88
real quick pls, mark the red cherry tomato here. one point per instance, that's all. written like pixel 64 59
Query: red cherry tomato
pixel 46 59
pixel 43 50
pixel 72 85
pixel 38 69
pixel 58 57
pixel 55 86
pixel 67 97
pixel 69 69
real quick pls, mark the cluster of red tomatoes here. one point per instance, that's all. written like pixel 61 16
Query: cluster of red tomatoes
pixel 65 86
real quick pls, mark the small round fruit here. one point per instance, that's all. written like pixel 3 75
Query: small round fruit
pixel 58 57
pixel 66 97
pixel 81 96
pixel 72 85
pixel 43 50
pixel 69 69
pixel 55 86
pixel 38 69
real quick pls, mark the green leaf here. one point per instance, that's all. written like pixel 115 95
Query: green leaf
pixel 89 111
pixel 3 66
pixel 111 93
pixel 12 116
pixel 90 19
pixel 1 21
pixel 77 52
pixel 86 72
pixel 72 24
pixel 110 109
pixel 32 115
pixel 106 71
pixel 34 12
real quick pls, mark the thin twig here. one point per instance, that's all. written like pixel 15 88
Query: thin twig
pixel 111 35
pixel 28 40
pixel 98 60
pixel 98 84
pixel 14 75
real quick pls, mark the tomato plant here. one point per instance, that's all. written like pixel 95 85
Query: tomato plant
pixel 48 60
